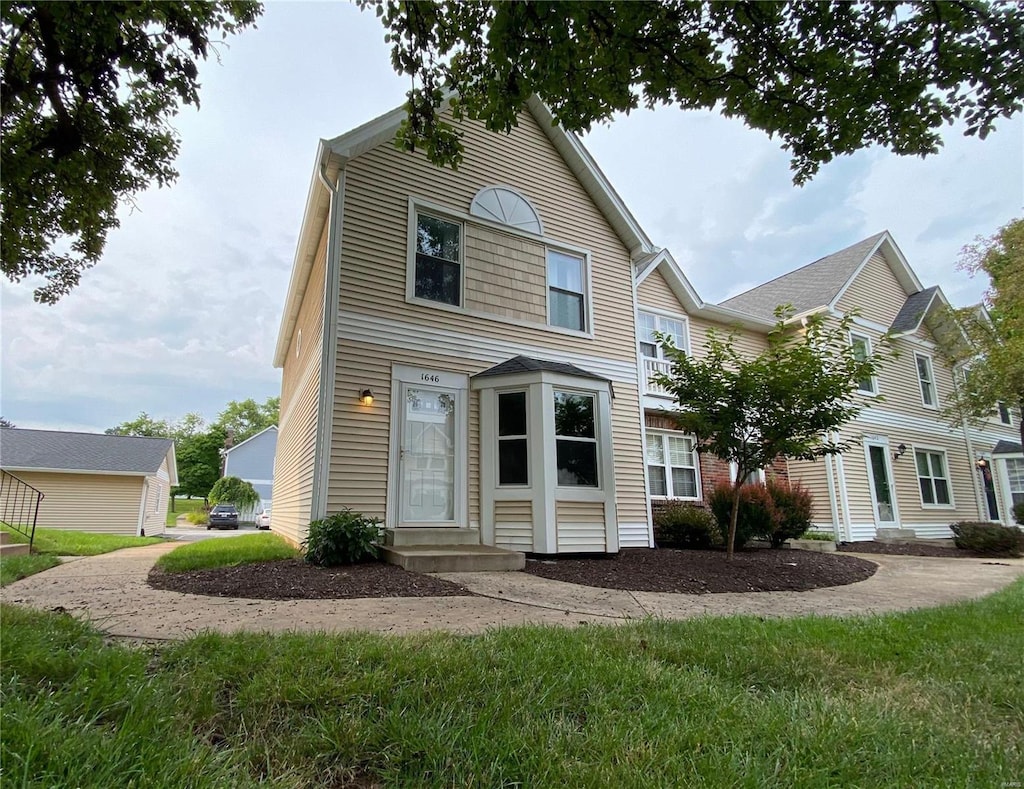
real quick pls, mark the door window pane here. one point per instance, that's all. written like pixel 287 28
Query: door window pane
pixel 428 456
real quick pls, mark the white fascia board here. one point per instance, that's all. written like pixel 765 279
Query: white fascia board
pixel 368 136
pixel 897 264
pixel 313 218
pixel 593 180
pixel 172 466
pixel 90 471
pixel 229 450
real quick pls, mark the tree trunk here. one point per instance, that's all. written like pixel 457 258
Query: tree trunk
pixel 730 541
pixel 172 503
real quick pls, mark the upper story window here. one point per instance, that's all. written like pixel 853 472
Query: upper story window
pixel 507 206
pixel 566 292
pixel 931 476
pixel 1004 413
pixel 438 260
pixel 649 323
pixel 926 378
pixel 576 439
pixel 513 465
pixel 862 350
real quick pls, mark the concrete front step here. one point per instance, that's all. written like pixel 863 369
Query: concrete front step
pixel 453 558
pixel 413 536
pixel 13 548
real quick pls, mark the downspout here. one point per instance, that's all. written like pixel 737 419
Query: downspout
pixel 844 499
pixel 329 348
pixel 833 503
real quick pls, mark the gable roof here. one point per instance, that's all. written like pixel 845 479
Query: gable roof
pixel 54 450
pixel 229 450
pixel 810 287
pixel 333 154
pixel 524 364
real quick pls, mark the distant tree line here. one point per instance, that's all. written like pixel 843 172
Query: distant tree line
pixel 197 445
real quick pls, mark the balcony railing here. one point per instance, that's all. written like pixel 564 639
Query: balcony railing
pixel 652 366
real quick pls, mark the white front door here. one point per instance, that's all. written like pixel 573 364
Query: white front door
pixel 429 456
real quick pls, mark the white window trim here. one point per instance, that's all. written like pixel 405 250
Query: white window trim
pixel 417 205
pixel 874 378
pixel 588 295
pixel 921 382
pixel 949 477
pixel 415 209
pixel 662 434
pixel 684 320
pixel 499 438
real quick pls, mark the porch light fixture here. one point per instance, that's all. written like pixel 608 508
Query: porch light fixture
pixel 366 397
pixel 900 451
pixel 982 463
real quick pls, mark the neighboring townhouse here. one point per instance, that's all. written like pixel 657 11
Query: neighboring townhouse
pixel 90 482
pixel 466 356
pixel 252 460
pixel 459 347
pixel 908 468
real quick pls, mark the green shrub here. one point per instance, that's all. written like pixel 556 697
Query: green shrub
pixel 990 538
pixel 820 536
pixel 791 512
pixel 685 525
pixel 755 514
pixel 1018 513
pixel 343 538
pixel 197 517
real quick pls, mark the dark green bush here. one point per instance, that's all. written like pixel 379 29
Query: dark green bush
pixel 989 538
pixel 343 538
pixel 791 515
pixel 755 514
pixel 1018 513
pixel 685 525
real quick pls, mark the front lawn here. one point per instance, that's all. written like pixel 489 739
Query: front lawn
pixel 14 568
pixel 64 542
pixel 182 507
pixel 927 698
pixel 228 552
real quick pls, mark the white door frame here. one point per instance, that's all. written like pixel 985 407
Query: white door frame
pixel 883 443
pixel 403 377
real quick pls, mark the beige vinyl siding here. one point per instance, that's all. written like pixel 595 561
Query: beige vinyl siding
pixel 513 525
pixel 105 503
pixel 375 253
pixel 580 526
pixel 813 475
pixel 300 389
pixel 655 292
pixel 748 343
pixel 158 491
pixel 875 292
pixel 506 275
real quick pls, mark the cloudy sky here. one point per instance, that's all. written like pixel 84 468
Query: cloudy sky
pixel 182 314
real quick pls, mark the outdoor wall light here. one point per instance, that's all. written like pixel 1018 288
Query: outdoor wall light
pixel 900 451
pixel 366 397
pixel 982 463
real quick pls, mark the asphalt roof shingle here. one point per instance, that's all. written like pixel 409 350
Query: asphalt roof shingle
pixel 813 285
pixel 58 450
pixel 524 364
pixel 909 317
pixel 1006 448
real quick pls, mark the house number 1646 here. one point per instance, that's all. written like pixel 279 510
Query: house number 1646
pixel 430 378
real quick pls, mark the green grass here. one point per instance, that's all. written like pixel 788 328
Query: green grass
pixel 64 542
pixel 14 568
pixel 183 506
pixel 930 698
pixel 243 549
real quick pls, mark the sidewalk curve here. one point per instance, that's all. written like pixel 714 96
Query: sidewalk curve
pixel 111 591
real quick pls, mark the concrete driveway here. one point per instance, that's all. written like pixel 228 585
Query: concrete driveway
pixel 111 591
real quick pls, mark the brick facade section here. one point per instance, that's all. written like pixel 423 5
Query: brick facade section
pixel 712 470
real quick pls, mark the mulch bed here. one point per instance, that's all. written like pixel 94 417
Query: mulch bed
pixel 294 579
pixel 703 572
pixel 909 549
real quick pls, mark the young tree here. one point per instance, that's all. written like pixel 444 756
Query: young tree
pixel 827 78
pixel 785 402
pixel 89 89
pixel 991 348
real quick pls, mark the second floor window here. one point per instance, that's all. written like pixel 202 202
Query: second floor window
pixel 926 378
pixel 861 351
pixel 651 323
pixel 566 300
pixel 1004 413
pixel 438 260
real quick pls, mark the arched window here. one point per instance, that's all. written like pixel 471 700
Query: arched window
pixel 505 205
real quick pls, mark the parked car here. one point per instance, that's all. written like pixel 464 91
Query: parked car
pixel 263 518
pixel 223 516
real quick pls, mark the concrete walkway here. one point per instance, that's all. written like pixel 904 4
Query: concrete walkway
pixel 111 591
